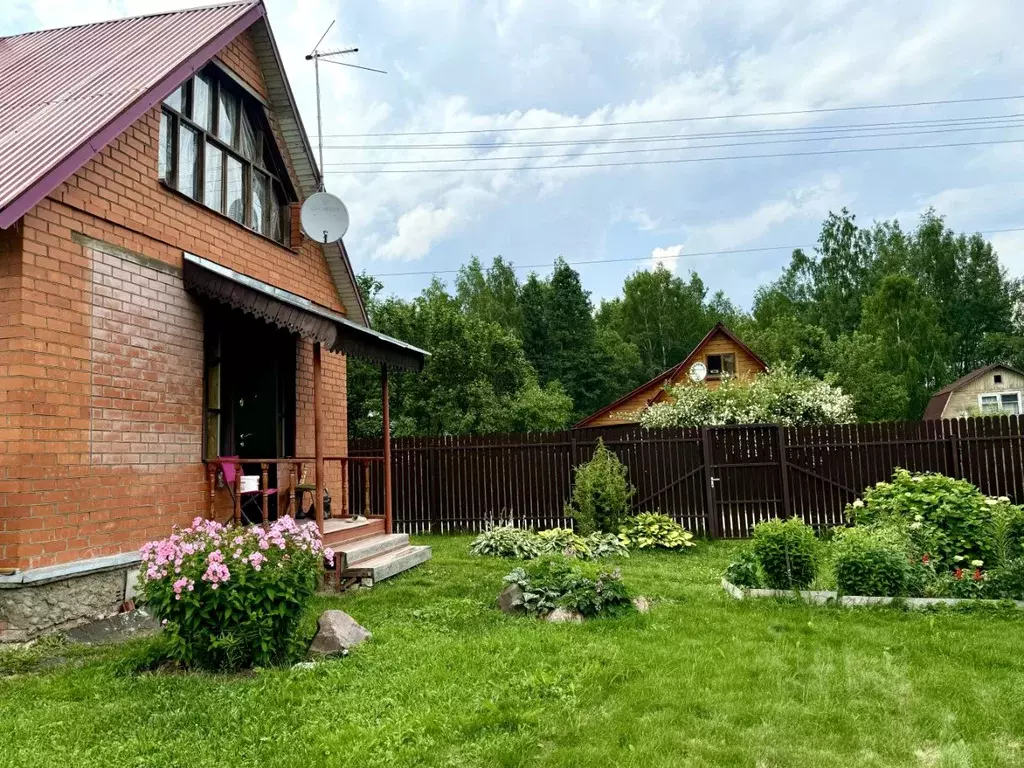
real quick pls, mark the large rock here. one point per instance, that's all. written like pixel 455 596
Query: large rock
pixel 564 616
pixel 511 599
pixel 338 632
pixel 642 604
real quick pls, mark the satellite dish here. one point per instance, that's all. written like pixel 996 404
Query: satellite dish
pixel 324 218
pixel 698 372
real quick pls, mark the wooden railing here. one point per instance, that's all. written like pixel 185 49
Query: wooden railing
pixel 290 486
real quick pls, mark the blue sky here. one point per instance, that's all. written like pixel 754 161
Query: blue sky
pixel 487 64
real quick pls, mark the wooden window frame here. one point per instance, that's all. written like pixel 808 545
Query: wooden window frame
pixel 247 107
pixel 722 368
pixel 999 401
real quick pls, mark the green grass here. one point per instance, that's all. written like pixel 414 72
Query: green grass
pixel 448 681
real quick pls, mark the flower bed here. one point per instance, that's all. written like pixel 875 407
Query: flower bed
pixel 232 597
pixel 920 537
pixel 825 597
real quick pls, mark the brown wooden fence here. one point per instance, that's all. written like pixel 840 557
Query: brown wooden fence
pixel 717 481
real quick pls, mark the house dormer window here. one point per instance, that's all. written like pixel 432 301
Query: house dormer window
pixel 216 148
pixel 721 365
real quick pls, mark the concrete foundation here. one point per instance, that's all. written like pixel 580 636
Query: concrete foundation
pixel 43 600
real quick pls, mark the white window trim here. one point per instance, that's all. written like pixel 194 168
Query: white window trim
pixel 999 399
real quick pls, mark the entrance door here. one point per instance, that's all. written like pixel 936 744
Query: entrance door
pixel 257 369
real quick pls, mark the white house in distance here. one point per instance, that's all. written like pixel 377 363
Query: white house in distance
pixel 990 390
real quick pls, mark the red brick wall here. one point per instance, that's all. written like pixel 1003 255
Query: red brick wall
pixel 104 375
pixel 11 335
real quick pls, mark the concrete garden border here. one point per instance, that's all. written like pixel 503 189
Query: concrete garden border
pixel 826 597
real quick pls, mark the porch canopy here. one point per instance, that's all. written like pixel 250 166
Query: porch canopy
pixel 316 323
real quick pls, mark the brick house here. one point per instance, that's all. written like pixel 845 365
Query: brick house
pixel 160 306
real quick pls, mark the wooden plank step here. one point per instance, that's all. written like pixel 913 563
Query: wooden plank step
pixel 339 531
pixel 388 564
pixel 372 546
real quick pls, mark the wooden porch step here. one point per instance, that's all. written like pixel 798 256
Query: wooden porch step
pixel 368 547
pixel 338 531
pixel 387 564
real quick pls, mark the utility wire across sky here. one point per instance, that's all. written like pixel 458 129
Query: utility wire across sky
pixel 693 255
pixel 491 158
pixel 681 160
pixel 690 119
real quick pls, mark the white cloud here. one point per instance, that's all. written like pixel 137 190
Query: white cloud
pixel 666 257
pixel 418 230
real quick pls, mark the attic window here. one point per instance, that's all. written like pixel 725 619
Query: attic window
pixel 719 365
pixel 215 147
pixel 997 379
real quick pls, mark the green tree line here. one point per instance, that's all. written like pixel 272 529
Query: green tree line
pixel 888 315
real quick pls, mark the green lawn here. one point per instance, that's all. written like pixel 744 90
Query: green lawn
pixel 449 681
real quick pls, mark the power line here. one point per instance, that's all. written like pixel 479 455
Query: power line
pixel 701 118
pixel 680 160
pixel 695 254
pixel 995 119
pixel 349 164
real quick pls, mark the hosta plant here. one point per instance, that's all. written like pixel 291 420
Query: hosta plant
pixel 232 597
pixel 554 581
pixel 506 541
pixel 566 542
pixel 652 530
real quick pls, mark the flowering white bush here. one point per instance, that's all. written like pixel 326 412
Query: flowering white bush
pixel 780 397
pixel 231 597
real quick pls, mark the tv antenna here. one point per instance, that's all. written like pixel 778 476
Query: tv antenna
pixel 315 56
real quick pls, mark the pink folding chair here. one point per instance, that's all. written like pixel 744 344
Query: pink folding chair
pixel 230 467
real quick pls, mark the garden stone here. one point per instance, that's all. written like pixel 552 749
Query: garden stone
pixel 511 599
pixel 642 604
pixel 564 616
pixel 337 633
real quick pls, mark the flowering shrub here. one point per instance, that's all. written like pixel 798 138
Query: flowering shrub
pixel 779 397
pixel 787 552
pixel 945 517
pixel 652 530
pixel 560 582
pixel 232 597
pixel 600 493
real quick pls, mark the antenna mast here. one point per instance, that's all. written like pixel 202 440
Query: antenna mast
pixel 315 55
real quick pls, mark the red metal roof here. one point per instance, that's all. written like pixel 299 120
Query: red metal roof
pixel 65 93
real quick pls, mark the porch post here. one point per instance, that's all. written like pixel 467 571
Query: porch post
pixel 318 436
pixel 386 413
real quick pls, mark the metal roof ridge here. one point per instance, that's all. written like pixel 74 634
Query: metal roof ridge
pixel 190 9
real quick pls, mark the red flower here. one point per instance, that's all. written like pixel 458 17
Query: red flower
pixel 925 558
pixel 958 574
pixel 977 574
